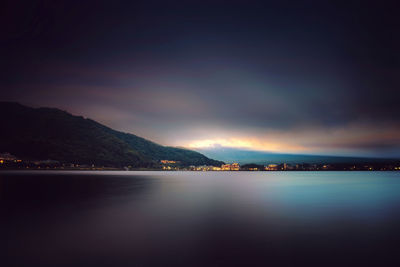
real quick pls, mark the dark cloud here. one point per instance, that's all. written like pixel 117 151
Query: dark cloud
pixel 155 67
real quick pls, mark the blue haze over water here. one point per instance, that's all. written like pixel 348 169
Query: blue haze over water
pixel 200 218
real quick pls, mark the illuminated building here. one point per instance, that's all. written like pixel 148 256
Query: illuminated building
pixel 271 167
pixel 226 167
pixel 235 167
pixel 325 167
pixel 230 167
pixel 164 161
pixel 285 166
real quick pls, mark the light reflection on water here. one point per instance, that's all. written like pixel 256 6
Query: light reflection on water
pixel 200 218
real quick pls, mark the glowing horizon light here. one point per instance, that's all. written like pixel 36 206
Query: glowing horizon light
pixel 252 144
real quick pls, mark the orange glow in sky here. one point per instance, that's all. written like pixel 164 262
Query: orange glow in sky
pixel 253 144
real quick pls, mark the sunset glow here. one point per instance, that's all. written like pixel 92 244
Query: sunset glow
pixel 252 144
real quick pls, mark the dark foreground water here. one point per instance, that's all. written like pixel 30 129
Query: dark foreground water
pixel 200 219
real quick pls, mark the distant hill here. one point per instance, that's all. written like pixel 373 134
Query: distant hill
pixel 244 156
pixel 48 133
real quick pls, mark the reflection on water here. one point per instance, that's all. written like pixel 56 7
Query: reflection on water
pixel 200 219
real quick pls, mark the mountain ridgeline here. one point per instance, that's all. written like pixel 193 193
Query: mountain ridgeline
pixel 48 133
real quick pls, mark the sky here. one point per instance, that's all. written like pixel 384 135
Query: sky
pixel 313 77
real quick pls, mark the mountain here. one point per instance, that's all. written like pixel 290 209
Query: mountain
pixel 48 133
pixel 244 156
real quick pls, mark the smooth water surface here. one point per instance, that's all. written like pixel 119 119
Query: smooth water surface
pixel 200 218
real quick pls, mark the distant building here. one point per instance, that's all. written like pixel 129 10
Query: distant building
pixel 272 167
pixel 230 167
pixel 327 167
pixel 285 166
pixel 235 167
pixel 226 167
pixel 165 161
pixel 204 168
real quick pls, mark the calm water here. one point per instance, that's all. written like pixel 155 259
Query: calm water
pixel 200 219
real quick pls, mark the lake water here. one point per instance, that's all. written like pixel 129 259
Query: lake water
pixel 200 218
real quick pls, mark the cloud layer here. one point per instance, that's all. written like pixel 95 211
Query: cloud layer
pixel 304 76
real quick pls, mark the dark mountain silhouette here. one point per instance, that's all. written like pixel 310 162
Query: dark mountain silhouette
pixel 49 133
